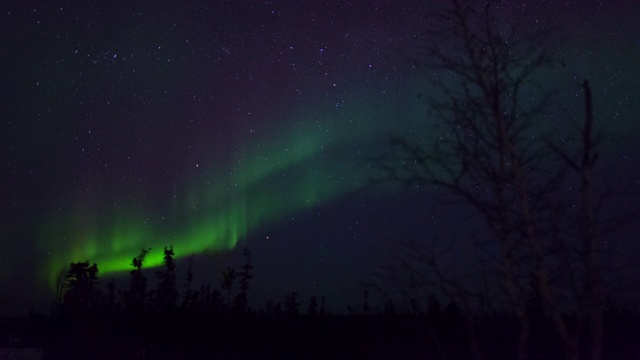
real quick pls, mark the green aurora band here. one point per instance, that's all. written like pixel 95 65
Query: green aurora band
pixel 310 163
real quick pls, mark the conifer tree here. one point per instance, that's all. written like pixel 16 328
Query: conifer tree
pixel 187 296
pixel 135 297
pixel 291 304
pixel 166 294
pixel 244 276
pixel 81 282
pixel 312 309
pixel 228 279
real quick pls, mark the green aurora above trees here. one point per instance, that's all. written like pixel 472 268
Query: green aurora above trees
pixel 315 161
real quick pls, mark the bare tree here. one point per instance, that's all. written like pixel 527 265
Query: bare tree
pixel 488 151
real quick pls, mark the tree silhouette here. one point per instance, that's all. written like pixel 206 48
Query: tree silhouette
pixel 489 152
pixel 81 282
pixel 389 308
pixel 135 297
pixel 166 294
pixel 187 296
pixel 291 304
pixel 323 306
pixel 365 303
pixel 111 300
pixel 228 279
pixel 587 223
pixel 244 277
pixel 153 333
pixel 312 309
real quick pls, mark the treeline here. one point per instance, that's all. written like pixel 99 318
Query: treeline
pixel 81 292
pixel 202 322
pixel 182 320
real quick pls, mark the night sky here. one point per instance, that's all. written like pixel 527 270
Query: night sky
pixel 217 125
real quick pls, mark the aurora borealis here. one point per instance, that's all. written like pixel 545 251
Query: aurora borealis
pixel 214 214
pixel 211 124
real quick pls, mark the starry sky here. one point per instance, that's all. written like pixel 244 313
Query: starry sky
pixel 215 125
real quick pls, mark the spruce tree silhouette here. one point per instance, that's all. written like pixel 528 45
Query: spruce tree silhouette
pixel 291 304
pixel 323 306
pixel 111 301
pixel 166 294
pixel 389 308
pixel 365 303
pixel 81 282
pixel 136 296
pixel 187 296
pixel 215 303
pixel 244 277
pixel 312 309
pixel 228 279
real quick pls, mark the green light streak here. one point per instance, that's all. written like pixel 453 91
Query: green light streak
pixel 310 164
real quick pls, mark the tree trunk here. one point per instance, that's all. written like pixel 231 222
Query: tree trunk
pixel 594 280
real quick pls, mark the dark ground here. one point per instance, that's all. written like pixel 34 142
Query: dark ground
pixel 201 335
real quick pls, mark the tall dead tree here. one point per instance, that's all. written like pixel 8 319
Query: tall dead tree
pixel 592 265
